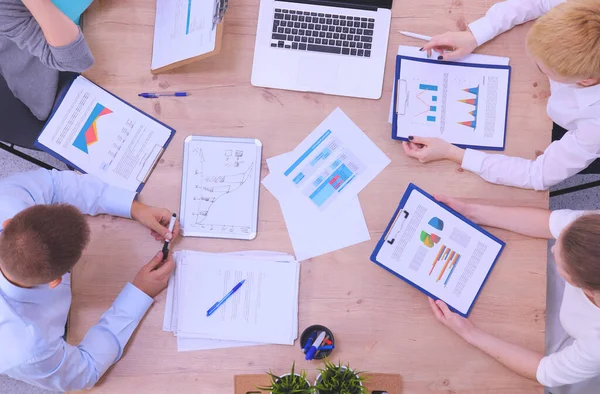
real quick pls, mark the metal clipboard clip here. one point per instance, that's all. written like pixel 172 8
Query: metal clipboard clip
pixel 220 9
pixel 400 220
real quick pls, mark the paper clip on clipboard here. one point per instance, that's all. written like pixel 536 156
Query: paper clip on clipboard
pixel 220 9
pixel 396 227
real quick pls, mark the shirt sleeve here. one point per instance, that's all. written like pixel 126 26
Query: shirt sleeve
pixel 64 367
pixel 575 363
pixel 576 150
pixel 18 25
pixel 88 193
pixel 505 15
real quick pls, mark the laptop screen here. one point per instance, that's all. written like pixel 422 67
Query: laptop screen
pixel 349 3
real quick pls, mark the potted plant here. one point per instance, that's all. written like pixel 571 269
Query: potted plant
pixel 339 379
pixel 290 383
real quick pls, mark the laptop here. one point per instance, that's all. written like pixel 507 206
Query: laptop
pixel 334 47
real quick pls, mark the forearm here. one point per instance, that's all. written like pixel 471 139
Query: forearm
pixel 518 359
pixel 533 222
pixel 58 29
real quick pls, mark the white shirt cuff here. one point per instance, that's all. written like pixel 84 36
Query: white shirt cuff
pixel 133 301
pixel 482 30
pixel 560 219
pixel 473 161
pixel 118 201
pixel 540 374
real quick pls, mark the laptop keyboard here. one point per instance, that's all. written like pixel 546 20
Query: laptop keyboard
pixel 317 32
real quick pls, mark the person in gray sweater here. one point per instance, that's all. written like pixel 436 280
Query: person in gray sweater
pixel 38 42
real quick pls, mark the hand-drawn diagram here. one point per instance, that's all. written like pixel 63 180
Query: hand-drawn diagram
pixel 210 182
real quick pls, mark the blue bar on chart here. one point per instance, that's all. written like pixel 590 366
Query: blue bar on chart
pixel 431 118
pixel 433 98
pixel 298 178
pixel 321 156
pixel 189 13
pixel 307 153
pixel 428 87
pixel 433 108
pixel 333 183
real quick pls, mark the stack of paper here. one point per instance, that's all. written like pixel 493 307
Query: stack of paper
pixel 263 311
pixel 317 186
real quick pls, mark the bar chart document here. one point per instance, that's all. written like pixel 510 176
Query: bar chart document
pixel 331 166
pixel 183 29
pixel 102 135
pixel 465 104
pixel 438 251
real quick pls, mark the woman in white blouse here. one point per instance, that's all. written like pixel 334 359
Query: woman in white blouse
pixel 575 358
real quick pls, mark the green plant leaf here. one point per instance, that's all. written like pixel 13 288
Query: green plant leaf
pixel 340 379
pixel 289 384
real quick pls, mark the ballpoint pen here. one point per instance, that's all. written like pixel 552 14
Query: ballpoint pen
pixel 157 95
pixel 219 303
pixel 415 35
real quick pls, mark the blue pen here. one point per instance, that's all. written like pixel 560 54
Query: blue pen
pixel 157 95
pixel 310 341
pixel 219 303
pixel 324 348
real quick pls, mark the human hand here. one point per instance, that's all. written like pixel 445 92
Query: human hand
pixel 156 219
pixel 464 208
pixel 461 326
pixel 432 149
pixel 451 45
pixel 153 277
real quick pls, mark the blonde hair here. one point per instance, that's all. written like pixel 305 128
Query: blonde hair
pixel 567 39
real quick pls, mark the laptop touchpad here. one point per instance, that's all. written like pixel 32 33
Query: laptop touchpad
pixel 318 74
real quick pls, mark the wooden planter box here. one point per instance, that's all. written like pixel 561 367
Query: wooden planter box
pixel 377 383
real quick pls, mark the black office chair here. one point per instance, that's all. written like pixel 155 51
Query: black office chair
pixel 557 133
pixel 18 126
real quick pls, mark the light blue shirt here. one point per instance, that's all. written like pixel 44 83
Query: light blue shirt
pixel 32 320
pixel 72 8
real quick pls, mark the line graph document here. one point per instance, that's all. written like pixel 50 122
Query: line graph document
pixel 220 187
pixel 183 29
pixel 104 136
pixel 464 104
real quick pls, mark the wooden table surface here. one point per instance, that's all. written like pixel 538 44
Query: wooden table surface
pixel 381 324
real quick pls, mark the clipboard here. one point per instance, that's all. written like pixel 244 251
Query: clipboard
pixel 397 223
pixel 399 105
pixel 220 8
pixel 149 162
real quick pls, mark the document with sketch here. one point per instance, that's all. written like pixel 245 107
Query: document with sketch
pixel 437 250
pixel 100 134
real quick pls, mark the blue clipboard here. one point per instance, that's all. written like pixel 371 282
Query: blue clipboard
pixel 399 59
pixel 69 163
pixel 398 216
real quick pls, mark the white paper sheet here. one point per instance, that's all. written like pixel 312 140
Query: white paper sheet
pixel 472 58
pixel 183 29
pixel 316 232
pixel 103 136
pixel 330 166
pixel 439 252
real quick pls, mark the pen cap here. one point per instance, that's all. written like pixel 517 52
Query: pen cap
pixel 306 334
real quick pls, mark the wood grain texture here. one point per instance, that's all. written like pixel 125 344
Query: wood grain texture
pixel 381 324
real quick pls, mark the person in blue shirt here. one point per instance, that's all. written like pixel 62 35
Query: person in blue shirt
pixel 43 235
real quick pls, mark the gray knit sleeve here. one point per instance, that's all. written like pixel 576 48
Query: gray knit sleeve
pixel 18 25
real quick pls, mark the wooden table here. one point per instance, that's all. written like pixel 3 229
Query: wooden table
pixel 381 324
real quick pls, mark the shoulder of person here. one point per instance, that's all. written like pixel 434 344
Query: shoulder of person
pixel 13 12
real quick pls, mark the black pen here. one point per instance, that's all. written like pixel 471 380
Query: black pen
pixel 165 248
